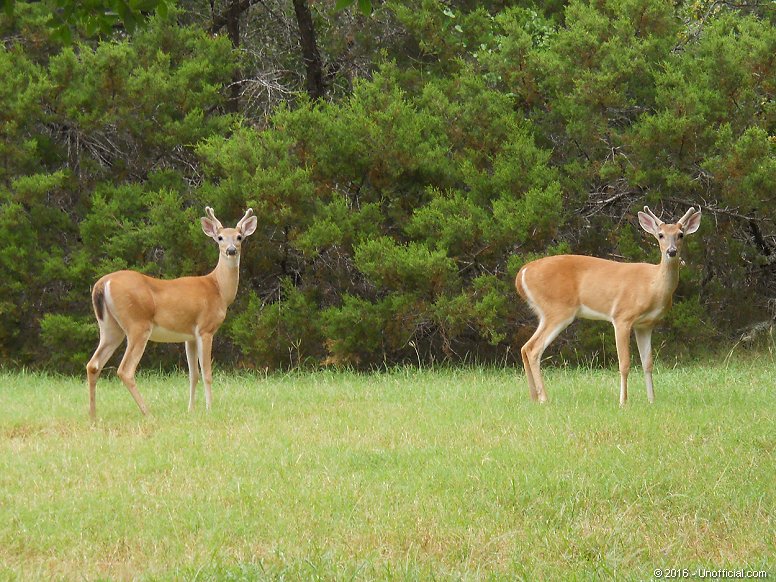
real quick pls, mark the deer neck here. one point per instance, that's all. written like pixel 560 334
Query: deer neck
pixel 668 276
pixel 227 277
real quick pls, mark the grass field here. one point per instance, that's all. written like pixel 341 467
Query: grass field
pixel 450 473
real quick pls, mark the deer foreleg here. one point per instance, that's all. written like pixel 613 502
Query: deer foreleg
pixel 204 347
pixel 644 341
pixel 191 358
pixel 622 332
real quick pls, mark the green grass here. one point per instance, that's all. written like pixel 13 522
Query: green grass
pixel 453 474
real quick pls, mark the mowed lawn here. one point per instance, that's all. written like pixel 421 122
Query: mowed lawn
pixel 451 474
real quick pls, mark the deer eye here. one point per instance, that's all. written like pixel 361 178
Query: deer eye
pixel 239 237
pixel 681 235
pixel 661 235
pixel 220 237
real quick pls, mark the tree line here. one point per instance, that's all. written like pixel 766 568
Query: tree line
pixel 404 160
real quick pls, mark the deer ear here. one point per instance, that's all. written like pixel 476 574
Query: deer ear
pixel 693 223
pixel 209 227
pixel 249 226
pixel 648 223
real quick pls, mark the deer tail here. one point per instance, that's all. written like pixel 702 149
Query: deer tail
pixel 98 300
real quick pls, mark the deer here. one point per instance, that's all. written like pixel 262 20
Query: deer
pixel 632 296
pixel 189 310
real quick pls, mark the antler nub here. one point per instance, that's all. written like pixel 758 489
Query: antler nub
pixel 211 215
pixel 687 215
pixel 248 214
pixel 652 214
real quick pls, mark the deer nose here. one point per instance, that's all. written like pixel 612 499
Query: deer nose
pixel 231 250
pixel 672 252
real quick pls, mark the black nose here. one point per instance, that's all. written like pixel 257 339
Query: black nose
pixel 671 252
pixel 231 251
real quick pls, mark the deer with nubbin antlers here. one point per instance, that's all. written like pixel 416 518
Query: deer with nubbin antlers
pixel 633 296
pixel 140 308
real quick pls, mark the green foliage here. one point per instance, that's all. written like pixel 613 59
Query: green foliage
pixel 412 269
pixel 66 338
pixel 282 333
pixel 688 318
pixel 365 6
pixel 355 332
pixel 338 224
pixel 21 91
pixel 95 17
pixel 17 259
pixel 746 167
pixel 457 142
pixel 97 154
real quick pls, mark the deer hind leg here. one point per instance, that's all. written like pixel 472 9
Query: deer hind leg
pixel 644 341
pixel 533 349
pixel 192 357
pixel 136 344
pixel 622 332
pixel 527 366
pixel 111 336
pixel 533 373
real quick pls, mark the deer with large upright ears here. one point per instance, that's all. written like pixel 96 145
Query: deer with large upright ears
pixel 633 296
pixel 140 308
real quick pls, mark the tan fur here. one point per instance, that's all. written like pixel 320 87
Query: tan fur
pixel 633 296
pixel 189 309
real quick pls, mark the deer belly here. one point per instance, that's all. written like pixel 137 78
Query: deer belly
pixel 586 312
pixel 163 335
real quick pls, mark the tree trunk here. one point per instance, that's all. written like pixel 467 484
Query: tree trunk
pixel 312 58
pixel 230 19
pixel 233 14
